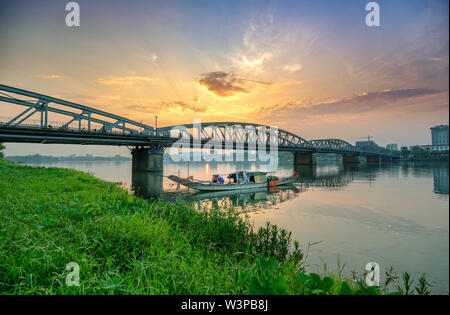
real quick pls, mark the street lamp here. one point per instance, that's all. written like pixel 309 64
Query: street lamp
pixel 156 125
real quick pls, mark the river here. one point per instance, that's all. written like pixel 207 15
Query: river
pixel 394 214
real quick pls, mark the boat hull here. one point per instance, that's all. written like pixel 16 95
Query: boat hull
pixel 224 187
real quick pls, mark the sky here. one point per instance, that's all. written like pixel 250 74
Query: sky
pixel 313 68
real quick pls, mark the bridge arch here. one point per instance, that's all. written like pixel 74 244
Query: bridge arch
pixel 239 132
pixel 333 144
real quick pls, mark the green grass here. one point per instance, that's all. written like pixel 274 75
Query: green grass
pixel 50 217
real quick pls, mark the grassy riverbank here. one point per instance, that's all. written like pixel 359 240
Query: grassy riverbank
pixel 50 217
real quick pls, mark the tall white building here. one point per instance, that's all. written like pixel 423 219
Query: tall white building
pixel 392 146
pixel 439 135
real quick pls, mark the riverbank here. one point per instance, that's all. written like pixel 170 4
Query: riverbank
pixel 50 217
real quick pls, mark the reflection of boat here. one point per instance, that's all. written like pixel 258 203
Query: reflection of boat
pixel 231 193
pixel 236 181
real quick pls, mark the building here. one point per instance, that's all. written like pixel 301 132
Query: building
pixel 392 146
pixel 436 147
pixel 439 135
pixel 366 144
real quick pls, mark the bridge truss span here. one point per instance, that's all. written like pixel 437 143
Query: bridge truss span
pixel 338 145
pixel 70 116
pixel 238 133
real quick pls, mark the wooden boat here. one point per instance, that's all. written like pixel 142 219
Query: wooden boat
pixel 237 181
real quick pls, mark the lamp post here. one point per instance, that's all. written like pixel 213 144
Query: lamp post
pixel 156 125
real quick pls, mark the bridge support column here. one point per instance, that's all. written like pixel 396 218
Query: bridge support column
pixel 373 159
pixel 304 159
pixel 351 159
pixel 305 171
pixel 147 171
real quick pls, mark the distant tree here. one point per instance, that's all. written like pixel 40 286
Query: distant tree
pixel 419 152
pixel 405 152
pixel 439 153
pixel 1 149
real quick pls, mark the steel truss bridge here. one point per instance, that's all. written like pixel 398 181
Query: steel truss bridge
pixel 45 119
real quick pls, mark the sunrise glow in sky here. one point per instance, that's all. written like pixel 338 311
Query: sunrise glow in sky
pixel 311 67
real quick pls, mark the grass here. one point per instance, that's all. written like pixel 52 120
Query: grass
pixel 50 217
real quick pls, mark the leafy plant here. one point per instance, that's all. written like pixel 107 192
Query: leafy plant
pixel 391 277
pixel 266 280
pixel 363 289
pixel 423 287
pixel 2 147
pixel 407 284
pixel 345 289
pixel 316 285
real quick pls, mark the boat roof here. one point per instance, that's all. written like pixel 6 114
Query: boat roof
pixel 251 173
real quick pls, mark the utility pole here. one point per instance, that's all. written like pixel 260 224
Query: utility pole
pixel 369 137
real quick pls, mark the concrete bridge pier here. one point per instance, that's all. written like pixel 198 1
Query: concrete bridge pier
pixel 304 159
pixel 305 171
pixel 362 160
pixel 147 171
pixel 373 159
pixel 351 159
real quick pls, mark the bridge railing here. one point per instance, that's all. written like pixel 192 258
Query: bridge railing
pixel 56 127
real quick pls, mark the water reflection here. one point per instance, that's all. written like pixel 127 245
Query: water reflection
pixel 440 180
pixel 251 200
pixel 329 175
pixel 147 184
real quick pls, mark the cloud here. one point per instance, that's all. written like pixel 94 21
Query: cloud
pixel 177 106
pixel 183 106
pixel 257 45
pixel 270 42
pixel 226 84
pixel 359 103
pixel 125 80
pixel 292 68
pixel 48 76
pixel 152 57
pixel 254 64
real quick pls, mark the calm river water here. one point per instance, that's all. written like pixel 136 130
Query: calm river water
pixel 395 215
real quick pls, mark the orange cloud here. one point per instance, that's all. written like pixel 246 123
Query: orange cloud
pixel 226 84
pixel 359 103
pixel 48 76
pixel 125 80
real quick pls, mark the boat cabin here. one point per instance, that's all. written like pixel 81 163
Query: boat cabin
pixel 243 177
